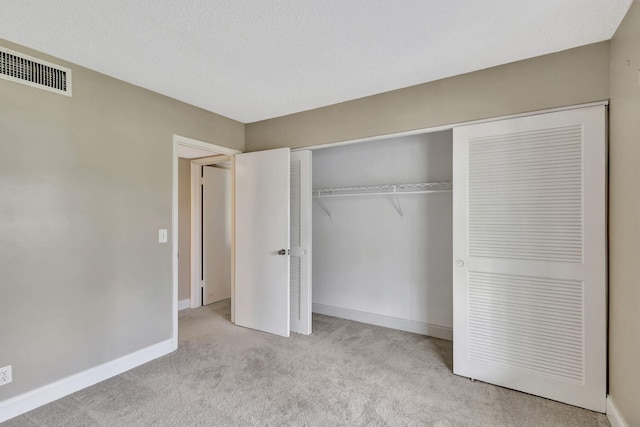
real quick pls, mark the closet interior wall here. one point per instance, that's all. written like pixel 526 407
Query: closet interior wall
pixel 372 261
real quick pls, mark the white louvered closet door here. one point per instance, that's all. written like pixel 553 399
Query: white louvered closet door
pixel 530 254
pixel 300 242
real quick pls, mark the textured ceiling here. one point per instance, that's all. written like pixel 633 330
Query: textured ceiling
pixel 254 59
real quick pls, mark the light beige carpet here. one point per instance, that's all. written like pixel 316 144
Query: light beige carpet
pixel 345 373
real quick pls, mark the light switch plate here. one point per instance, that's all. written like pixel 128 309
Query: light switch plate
pixel 162 235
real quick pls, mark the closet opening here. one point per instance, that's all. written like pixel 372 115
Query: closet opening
pixel 382 233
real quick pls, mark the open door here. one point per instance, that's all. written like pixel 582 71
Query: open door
pixel 529 206
pixel 216 234
pixel 262 298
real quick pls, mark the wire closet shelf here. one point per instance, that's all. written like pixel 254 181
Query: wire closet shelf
pixel 378 190
pixel 372 190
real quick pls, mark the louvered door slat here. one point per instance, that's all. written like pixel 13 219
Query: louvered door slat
pixel 504 188
pixel 300 242
pixel 294 275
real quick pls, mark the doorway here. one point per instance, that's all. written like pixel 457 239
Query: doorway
pixel 199 153
pixel 216 238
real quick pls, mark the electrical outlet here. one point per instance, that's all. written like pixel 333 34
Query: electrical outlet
pixel 5 375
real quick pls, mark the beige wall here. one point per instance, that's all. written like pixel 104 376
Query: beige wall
pixel 624 219
pixel 86 182
pixel 571 77
pixel 184 229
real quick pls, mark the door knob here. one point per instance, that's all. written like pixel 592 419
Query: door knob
pixel 460 263
pixel 282 252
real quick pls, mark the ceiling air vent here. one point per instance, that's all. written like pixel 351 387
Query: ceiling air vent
pixel 20 68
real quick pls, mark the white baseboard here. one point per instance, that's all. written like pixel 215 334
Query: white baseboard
pixel 184 304
pixel 613 415
pixel 436 331
pixel 18 405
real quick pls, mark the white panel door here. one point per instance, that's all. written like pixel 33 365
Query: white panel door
pixel 262 241
pixel 300 260
pixel 529 251
pixel 216 234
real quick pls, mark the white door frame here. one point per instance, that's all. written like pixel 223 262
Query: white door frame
pixel 186 147
pixel 449 126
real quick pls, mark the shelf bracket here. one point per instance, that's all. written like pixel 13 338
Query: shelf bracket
pixel 323 206
pixel 397 201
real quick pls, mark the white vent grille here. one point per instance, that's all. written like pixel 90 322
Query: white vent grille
pixel 20 68
pixel 525 195
pixel 532 324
